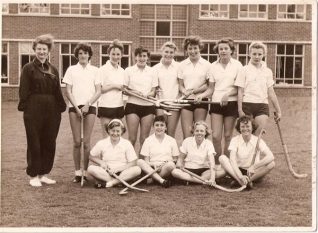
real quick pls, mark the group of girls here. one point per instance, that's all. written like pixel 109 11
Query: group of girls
pixel 235 90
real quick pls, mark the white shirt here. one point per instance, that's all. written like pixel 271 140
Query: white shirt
pixel 197 157
pixel 83 81
pixel 193 76
pixel 159 152
pixel 110 75
pixel 255 82
pixel 224 79
pixel 167 79
pixel 114 156
pixel 245 151
pixel 142 80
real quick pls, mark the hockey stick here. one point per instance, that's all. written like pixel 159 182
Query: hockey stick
pixel 213 185
pixel 124 182
pixel 124 191
pixel 82 150
pixel 290 167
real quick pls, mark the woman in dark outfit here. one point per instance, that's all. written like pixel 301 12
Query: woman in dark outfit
pixel 42 102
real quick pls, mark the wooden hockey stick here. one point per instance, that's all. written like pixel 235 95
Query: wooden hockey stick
pixel 125 190
pixel 213 185
pixel 82 151
pixel 287 157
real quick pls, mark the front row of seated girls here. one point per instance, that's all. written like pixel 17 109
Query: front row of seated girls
pixel 116 155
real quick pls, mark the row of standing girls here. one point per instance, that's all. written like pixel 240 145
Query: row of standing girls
pixel 193 78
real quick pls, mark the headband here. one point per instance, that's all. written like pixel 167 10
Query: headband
pixel 118 121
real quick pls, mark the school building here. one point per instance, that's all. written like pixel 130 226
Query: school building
pixel 286 29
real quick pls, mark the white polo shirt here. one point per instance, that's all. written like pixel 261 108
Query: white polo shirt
pixel 255 82
pixel 159 152
pixel 224 78
pixel 110 75
pixel 168 79
pixel 140 80
pixel 114 156
pixel 83 81
pixel 197 157
pixel 245 151
pixel 193 75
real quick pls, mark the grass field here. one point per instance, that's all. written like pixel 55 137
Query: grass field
pixel 278 201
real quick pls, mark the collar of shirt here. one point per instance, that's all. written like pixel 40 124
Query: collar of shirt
pixel 188 61
pixel 251 142
pixel 263 65
pixel 109 143
pixel 88 66
pixel 109 64
pixel 135 68
pixel 195 145
pixel 230 61
pixel 46 64
pixel 173 64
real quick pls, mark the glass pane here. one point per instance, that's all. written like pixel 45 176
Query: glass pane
pixel 253 8
pixel 299 16
pixel 242 60
pixel 75 11
pixel 115 12
pixel 65 64
pixel 4 47
pixel 300 8
pixel 106 6
pixel 24 60
pixel 242 49
pixel 84 11
pixel 124 62
pixel 104 59
pixel 205 57
pixel 126 12
pixel 104 49
pixel 280 64
pixel 282 8
pixel 213 58
pixel 290 49
pixel 289 67
pixel 65 49
pixel 298 67
pixel 125 6
pixel 262 8
pixel 116 6
pixel 243 14
pixel 73 60
pixel 299 50
pixel 280 49
pixel 204 7
pixel 261 15
pixel 205 49
pixel 163 29
pixel 4 66
pixel 291 8
pixel 85 6
pixel 211 48
pixel 75 5
pixel 126 49
pixel 297 81
pixel 223 7
pixel 25 48
pixel 243 7
pixel 214 7
pixel 73 48
pixel 253 14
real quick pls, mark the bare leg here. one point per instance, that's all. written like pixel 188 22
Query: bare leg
pixel 229 123
pixel 260 122
pixel 148 169
pixel 126 175
pixel 89 121
pixel 179 174
pixel 217 129
pixel 172 123
pixel 98 173
pixel 103 122
pixel 225 163
pixel 132 126
pixel 75 123
pixel 262 171
pixel 186 122
pixel 199 114
pixel 145 127
pixel 167 169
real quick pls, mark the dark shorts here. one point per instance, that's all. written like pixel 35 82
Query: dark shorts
pixel 255 109
pixel 193 107
pixel 111 113
pixel 140 110
pixel 91 110
pixel 244 171
pixel 229 110
pixel 198 171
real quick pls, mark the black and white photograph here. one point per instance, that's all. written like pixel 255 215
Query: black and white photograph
pixel 158 116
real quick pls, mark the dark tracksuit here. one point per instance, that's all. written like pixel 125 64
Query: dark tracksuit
pixel 42 102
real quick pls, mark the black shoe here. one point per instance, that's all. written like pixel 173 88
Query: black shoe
pixel 166 183
pixel 77 179
pixel 99 186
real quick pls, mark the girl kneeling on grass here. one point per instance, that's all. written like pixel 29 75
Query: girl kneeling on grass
pixel 197 155
pixel 242 149
pixel 113 153
pixel 158 148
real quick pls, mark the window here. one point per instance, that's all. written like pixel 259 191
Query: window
pixel 162 23
pixel 26 53
pixel 208 53
pixel 253 11
pixel 212 11
pixel 4 63
pixel 289 64
pixel 34 8
pixel 242 53
pixel 5 8
pixel 119 10
pixel 67 56
pixel 291 11
pixel 75 9
pixel 125 60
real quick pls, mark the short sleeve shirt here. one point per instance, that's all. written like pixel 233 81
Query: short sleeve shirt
pixel 193 76
pixel 142 80
pixel 255 82
pixel 114 156
pixel 224 79
pixel 197 157
pixel 110 75
pixel 245 151
pixel 167 79
pixel 83 81
pixel 159 152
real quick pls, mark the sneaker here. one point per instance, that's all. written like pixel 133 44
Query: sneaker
pixel 35 182
pixel 99 186
pixel 46 180
pixel 166 183
pixel 77 179
pixel 250 185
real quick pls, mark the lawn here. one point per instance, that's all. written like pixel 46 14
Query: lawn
pixel 278 201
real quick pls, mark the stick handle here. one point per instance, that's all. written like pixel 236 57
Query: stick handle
pixel 82 151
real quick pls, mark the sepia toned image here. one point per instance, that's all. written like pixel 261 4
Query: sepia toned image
pixel 158 116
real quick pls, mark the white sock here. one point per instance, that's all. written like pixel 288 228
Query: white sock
pixel 78 173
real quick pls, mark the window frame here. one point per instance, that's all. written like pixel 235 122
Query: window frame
pixel 209 11
pixel 285 13
pixel 302 56
pixel 34 13
pixel 7 8
pixel 30 53
pixel 72 14
pixel 116 16
pixel 208 55
pixel 106 55
pixel 61 59
pixel 8 64
pixel 248 12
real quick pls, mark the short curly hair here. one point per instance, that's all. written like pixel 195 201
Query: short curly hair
pixel 258 45
pixel 140 50
pixel 85 47
pixel 245 119
pixel 192 40
pixel 115 44
pixel 115 123
pixel 226 40
pixel 207 130
pixel 46 39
